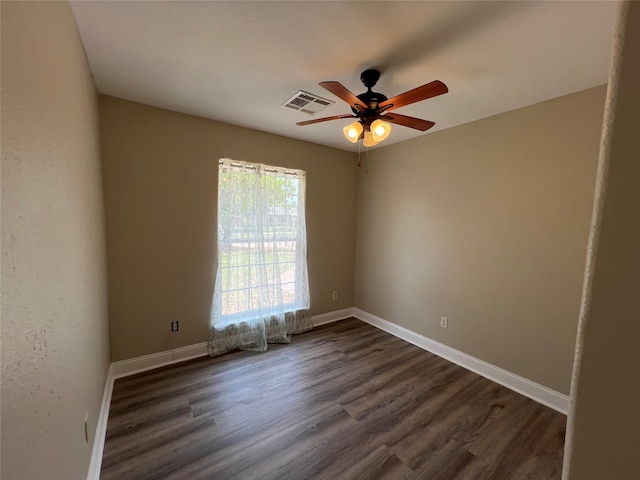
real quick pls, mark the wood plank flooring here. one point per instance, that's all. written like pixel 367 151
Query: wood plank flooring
pixel 343 401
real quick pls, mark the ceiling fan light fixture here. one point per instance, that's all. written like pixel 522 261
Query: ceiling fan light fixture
pixel 353 131
pixel 368 139
pixel 380 130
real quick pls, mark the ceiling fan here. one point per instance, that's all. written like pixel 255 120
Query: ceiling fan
pixel 373 109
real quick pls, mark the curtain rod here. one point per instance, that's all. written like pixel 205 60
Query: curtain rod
pixel 251 167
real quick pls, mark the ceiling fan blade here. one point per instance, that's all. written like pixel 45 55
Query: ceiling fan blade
pixel 429 90
pixel 407 121
pixel 341 91
pixel 325 119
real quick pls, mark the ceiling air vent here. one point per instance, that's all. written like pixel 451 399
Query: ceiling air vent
pixel 307 103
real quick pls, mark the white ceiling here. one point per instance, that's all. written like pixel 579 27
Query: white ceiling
pixel 238 61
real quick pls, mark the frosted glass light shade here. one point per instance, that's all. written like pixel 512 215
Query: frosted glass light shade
pixel 353 131
pixel 380 130
pixel 368 139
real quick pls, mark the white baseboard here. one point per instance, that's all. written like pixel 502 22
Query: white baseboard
pixel 101 429
pixel 123 368
pixel 534 391
pixel 131 366
pixel 331 317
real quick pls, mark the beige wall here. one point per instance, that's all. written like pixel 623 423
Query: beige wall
pixel 486 224
pixel 160 181
pixel 55 338
pixel 603 434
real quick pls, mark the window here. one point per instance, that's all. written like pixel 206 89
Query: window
pixel 262 267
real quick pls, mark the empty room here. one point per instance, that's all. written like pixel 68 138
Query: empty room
pixel 320 240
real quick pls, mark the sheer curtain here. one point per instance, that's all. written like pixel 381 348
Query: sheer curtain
pixel 261 292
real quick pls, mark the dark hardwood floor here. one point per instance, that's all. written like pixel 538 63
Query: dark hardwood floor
pixel 343 401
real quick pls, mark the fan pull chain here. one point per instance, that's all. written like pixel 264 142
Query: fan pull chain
pixel 366 157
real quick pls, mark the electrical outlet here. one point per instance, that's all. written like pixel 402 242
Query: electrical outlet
pixel 444 323
pixel 335 294
pixel 86 428
pixel 175 326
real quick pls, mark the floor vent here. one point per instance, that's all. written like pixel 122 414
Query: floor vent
pixel 307 103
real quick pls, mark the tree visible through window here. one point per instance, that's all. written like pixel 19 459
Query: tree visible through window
pixel 262 267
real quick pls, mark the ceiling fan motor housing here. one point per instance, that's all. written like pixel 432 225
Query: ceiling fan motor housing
pixel 370 98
